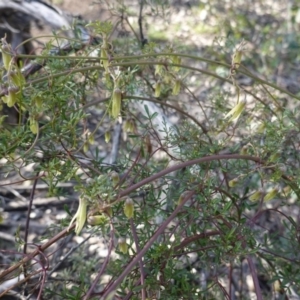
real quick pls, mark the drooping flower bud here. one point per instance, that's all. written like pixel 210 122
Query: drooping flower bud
pixel 104 56
pixel 38 101
pixel 85 147
pixel 16 77
pixel 233 182
pixel 34 125
pixel 244 150
pixel 116 102
pixel 278 287
pixel 236 59
pixel 129 125
pixel 256 196
pixel 159 68
pixel 237 55
pixel 177 61
pixel 115 177
pixel 270 195
pixel 167 78
pixel 286 190
pixel 2 118
pixel 123 245
pixel 273 157
pixel 128 208
pixel 107 136
pixel 6 56
pixel 157 89
pixel 10 99
pixel 91 139
pixel 126 126
pixel 176 87
pixel 97 220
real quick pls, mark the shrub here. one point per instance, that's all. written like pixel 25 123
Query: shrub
pixel 187 210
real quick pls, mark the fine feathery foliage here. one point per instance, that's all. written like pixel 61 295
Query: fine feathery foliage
pixel 189 211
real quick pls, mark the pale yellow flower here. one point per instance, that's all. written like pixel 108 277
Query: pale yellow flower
pixel 236 111
pixel 271 194
pixel 80 215
pixel 256 196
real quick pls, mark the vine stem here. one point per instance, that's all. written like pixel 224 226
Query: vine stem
pixel 187 164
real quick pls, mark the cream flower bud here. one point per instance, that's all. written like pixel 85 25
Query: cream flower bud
pixel 176 87
pixel 278 287
pixel 107 136
pixel 85 147
pixel 10 99
pixel 126 126
pixel 123 245
pixel 237 55
pixel 34 125
pixel 115 177
pixel 104 57
pixel 256 196
pixel 273 157
pixel 244 150
pixel 97 220
pixel 129 125
pixel 270 195
pixel 286 190
pixel 91 139
pixel 4 100
pixel 167 78
pixel 6 56
pixel 38 101
pixel 236 59
pixel 17 77
pixel 159 68
pixel 2 118
pixel 116 102
pixel 128 208
pixel 177 61
pixel 157 89
pixel 233 182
